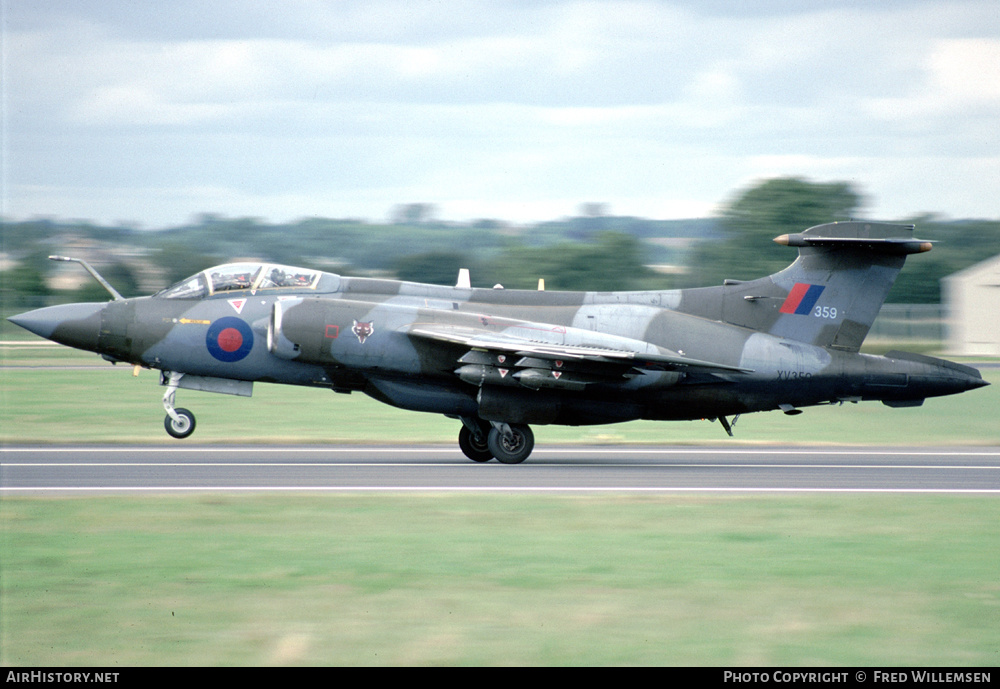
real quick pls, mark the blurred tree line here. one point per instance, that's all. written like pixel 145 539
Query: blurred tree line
pixel 750 222
pixel 593 251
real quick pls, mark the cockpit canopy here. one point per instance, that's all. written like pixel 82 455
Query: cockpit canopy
pixel 245 276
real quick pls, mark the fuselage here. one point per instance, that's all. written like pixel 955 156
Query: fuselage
pixel 354 334
pixel 499 360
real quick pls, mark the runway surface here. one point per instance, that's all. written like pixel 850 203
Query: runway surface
pixel 173 468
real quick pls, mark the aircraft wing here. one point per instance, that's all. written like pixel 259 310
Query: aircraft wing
pixel 517 344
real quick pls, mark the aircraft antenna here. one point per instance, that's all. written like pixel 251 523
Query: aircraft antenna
pixel 90 269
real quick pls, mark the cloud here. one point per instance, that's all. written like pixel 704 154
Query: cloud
pixel 967 71
pixel 171 109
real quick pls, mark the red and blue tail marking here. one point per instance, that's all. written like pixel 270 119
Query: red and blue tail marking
pixel 802 298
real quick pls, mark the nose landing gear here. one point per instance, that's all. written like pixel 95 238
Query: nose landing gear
pixel 179 422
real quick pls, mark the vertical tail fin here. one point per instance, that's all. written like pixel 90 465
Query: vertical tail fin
pixel 847 270
pixel 832 293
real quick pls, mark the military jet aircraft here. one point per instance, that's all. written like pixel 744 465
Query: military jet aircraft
pixel 499 360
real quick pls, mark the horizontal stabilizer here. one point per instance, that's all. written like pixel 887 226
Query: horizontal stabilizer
pixel 889 246
pixel 877 237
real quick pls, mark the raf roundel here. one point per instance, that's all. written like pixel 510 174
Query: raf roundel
pixel 229 339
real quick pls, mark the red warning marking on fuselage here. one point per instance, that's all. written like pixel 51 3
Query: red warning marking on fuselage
pixel 238 304
pixel 332 332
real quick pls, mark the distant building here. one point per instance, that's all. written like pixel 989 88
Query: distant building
pixel 972 297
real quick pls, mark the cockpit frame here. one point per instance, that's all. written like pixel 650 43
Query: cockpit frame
pixel 237 277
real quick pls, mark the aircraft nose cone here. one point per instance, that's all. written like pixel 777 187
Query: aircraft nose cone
pixel 960 381
pixel 75 325
pixel 977 383
pixel 968 378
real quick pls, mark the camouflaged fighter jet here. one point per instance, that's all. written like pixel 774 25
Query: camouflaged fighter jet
pixel 499 359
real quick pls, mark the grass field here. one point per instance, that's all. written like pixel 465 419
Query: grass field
pixel 451 579
pixel 95 402
pixel 500 579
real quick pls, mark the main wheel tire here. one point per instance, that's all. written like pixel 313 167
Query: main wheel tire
pixel 182 428
pixel 512 449
pixel 476 451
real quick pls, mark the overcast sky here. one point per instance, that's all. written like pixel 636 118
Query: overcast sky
pixel 152 112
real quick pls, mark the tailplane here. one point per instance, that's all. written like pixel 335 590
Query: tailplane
pixel 830 295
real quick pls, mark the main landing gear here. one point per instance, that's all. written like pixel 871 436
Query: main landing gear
pixel 473 440
pixel 482 441
pixel 179 422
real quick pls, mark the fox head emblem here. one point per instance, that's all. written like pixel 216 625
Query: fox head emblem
pixel 363 330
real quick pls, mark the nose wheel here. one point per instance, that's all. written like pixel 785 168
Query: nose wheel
pixel 179 422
